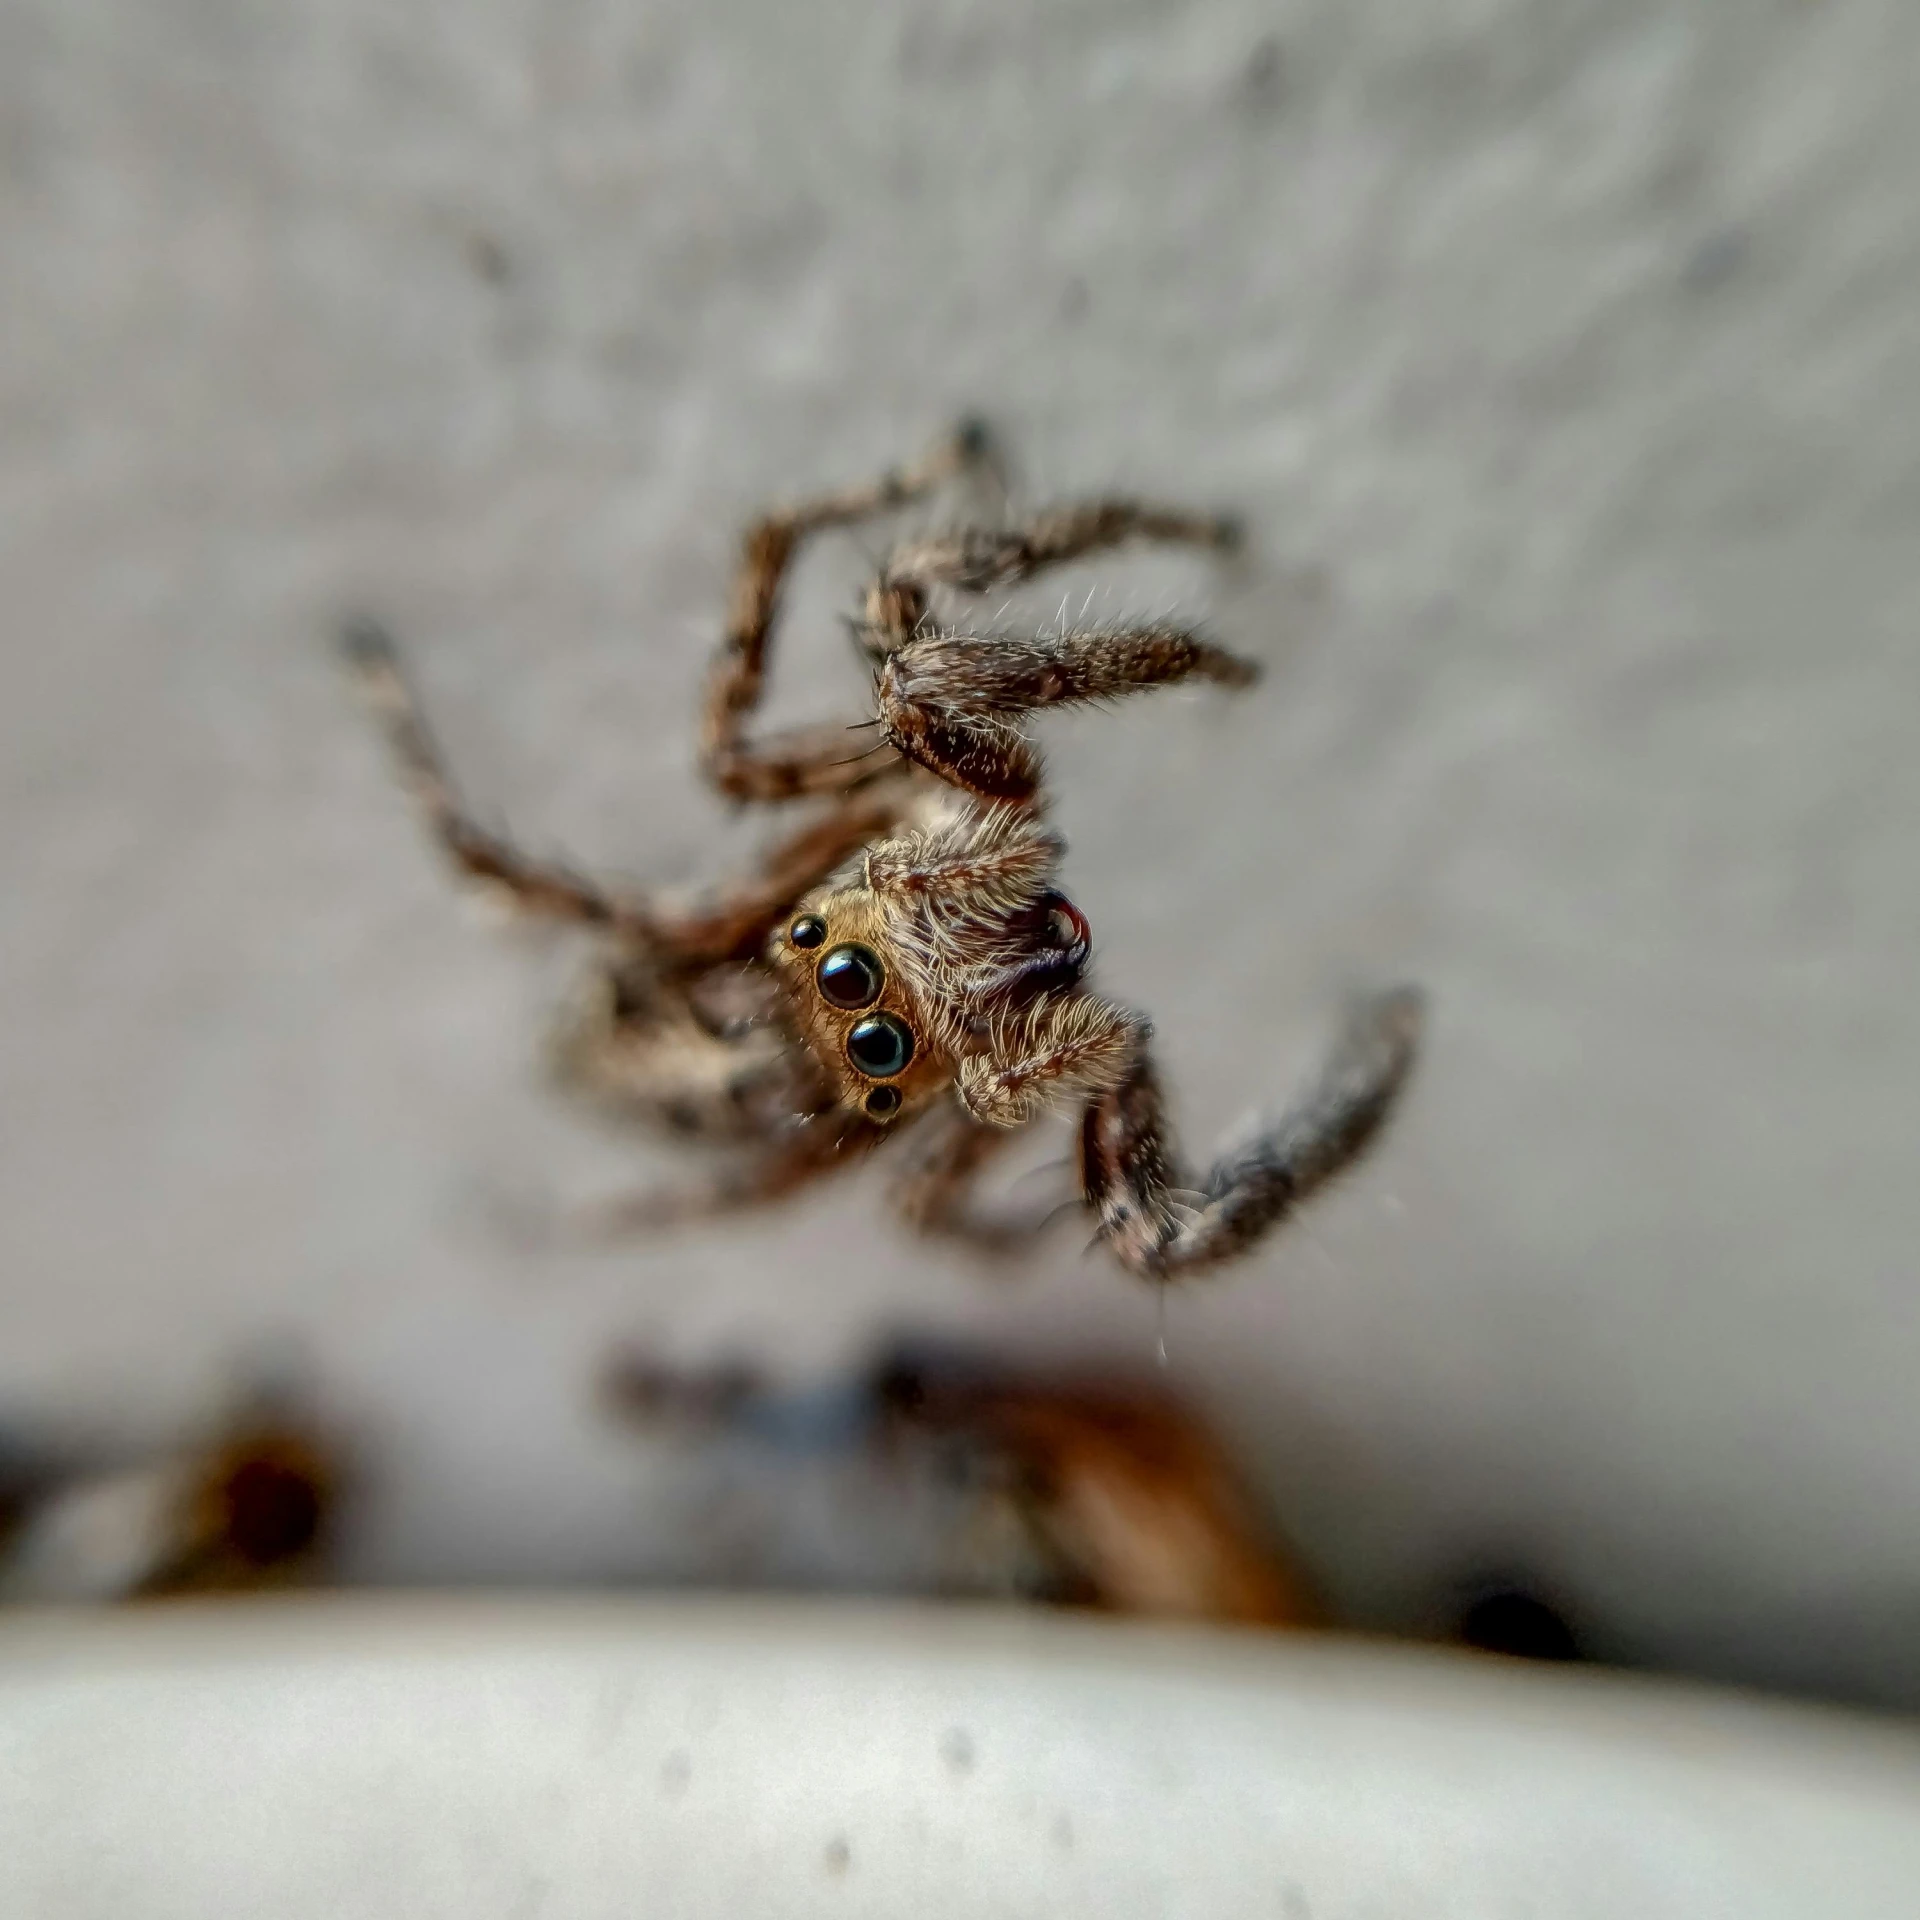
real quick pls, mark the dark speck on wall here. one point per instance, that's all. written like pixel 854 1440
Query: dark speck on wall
pixel 1715 260
pixel 489 259
pixel 1513 1620
pixel 1263 80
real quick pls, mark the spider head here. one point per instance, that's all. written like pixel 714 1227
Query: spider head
pixel 848 986
pixel 927 953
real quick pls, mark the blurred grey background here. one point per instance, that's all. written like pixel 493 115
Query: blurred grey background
pixel 1564 360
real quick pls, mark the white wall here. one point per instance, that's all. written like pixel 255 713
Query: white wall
pixel 1564 361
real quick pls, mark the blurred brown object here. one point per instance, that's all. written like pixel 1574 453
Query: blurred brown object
pixel 241 1506
pixel 250 1513
pixel 1125 1499
pixel 1075 1488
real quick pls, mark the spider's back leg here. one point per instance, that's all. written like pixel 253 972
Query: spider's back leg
pixel 935 1194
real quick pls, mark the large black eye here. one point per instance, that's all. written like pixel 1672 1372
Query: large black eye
pixel 808 931
pixel 850 977
pixel 880 1045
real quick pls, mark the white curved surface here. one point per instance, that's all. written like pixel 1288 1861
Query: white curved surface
pixel 577 1760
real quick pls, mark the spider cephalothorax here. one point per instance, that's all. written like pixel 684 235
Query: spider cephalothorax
pixel 942 959
pixel 907 961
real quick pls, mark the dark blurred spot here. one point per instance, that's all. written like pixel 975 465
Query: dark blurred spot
pixel 929 1377
pixel 26 1476
pixel 973 437
pixel 635 995
pixel 1075 301
pixel 1263 81
pixel 273 1511
pixel 489 259
pixel 1716 260
pixel 839 1856
pixel 1513 1621
pixel 636 1386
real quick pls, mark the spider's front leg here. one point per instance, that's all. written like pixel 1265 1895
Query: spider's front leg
pixel 956 702
pixel 1130 1181
pixel 980 560
pixel 812 760
pixel 535 886
pixel 733 926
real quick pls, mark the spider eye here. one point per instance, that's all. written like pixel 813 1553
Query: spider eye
pixel 808 931
pixel 880 1046
pixel 883 1101
pixel 850 977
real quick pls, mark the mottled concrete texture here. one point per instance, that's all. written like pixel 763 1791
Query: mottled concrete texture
pixel 1565 362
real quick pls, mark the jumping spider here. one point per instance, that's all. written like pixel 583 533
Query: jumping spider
pixel 906 959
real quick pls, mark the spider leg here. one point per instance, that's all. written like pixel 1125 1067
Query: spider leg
pixel 736 924
pixel 977 562
pixel 955 702
pixel 1129 1177
pixel 535 886
pixel 696 1055
pixel 1062 1046
pixel 815 1148
pixel 813 760
pixel 935 1195
pixel 733 926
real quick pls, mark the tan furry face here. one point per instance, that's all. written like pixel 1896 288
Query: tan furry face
pixel 842 968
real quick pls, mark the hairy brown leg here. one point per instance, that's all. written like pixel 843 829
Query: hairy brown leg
pixel 731 927
pixel 1130 1180
pixel 978 561
pixel 737 923
pixel 811 1150
pixel 662 1046
pixel 936 1193
pixel 535 886
pixel 812 760
pixel 955 703
pixel 1062 1046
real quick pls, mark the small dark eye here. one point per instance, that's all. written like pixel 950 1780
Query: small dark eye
pixel 880 1045
pixel 808 931
pixel 850 977
pixel 883 1101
